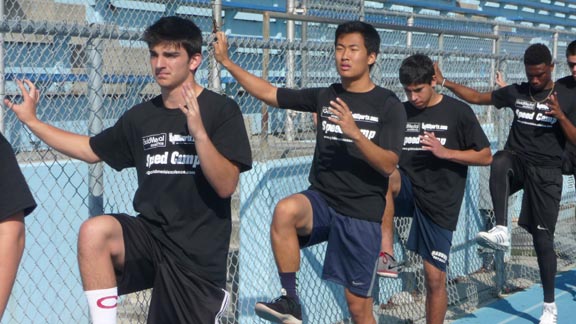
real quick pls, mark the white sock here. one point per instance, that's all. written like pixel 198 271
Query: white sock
pixel 551 305
pixel 102 304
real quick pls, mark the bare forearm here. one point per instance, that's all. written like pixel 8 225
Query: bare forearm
pixel 384 161
pixel 12 236
pixel 256 86
pixel 468 94
pixel 470 157
pixel 73 145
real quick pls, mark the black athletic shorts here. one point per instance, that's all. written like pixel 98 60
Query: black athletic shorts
pixel 178 295
pixel 541 199
pixel 542 192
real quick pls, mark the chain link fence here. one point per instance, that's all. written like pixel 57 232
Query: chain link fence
pixel 88 59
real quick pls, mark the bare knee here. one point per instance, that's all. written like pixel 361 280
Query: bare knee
pixel 285 211
pixel 360 309
pixel 294 212
pixel 99 233
pixel 435 281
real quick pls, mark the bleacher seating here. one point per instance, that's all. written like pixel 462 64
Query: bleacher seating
pixel 511 10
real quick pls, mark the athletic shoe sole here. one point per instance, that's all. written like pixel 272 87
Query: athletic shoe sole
pixel 273 316
pixel 487 243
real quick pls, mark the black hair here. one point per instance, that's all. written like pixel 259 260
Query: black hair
pixel 537 54
pixel 416 69
pixel 175 30
pixel 368 32
pixel 571 49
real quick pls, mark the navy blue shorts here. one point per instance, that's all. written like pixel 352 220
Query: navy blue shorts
pixel 426 238
pixel 352 249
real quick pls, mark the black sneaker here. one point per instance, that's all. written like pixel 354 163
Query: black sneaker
pixel 283 309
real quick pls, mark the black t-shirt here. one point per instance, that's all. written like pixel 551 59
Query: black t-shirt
pixel 339 171
pixel 569 159
pixel 534 136
pixel 15 195
pixel 439 184
pixel 173 196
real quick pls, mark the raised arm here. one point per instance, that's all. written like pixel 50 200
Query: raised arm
pixel 467 94
pixel 73 145
pixel 256 86
pixel 500 79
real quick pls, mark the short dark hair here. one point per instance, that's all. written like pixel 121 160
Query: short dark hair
pixel 416 69
pixel 571 49
pixel 368 32
pixel 175 30
pixel 537 54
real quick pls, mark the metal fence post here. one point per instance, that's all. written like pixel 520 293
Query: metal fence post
pixel 304 38
pixel 95 124
pixel 495 65
pixel 290 66
pixel 215 82
pixel 265 66
pixel 555 52
pixel 409 23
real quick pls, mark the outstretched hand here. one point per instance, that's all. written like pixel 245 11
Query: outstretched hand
pixel 500 79
pixel 220 46
pixel 438 73
pixel 26 110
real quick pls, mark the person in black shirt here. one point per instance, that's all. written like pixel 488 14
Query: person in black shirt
pixel 544 116
pixel 16 202
pixel 358 143
pixel 569 158
pixel 188 146
pixel 443 137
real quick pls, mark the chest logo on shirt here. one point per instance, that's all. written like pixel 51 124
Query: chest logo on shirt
pixel 533 113
pixel 333 132
pixel 414 130
pixel 154 141
pixel 176 139
pixel 326 113
pixel 172 158
pixel 413 127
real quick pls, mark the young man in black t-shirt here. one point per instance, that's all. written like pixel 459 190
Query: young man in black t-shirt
pixel 358 142
pixel 16 202
pixel 443 137
pixel 544 116
pixel 188 146
pixel 569 158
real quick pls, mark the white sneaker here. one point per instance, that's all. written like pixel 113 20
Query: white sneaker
pixel 497 238
pixel 549 314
